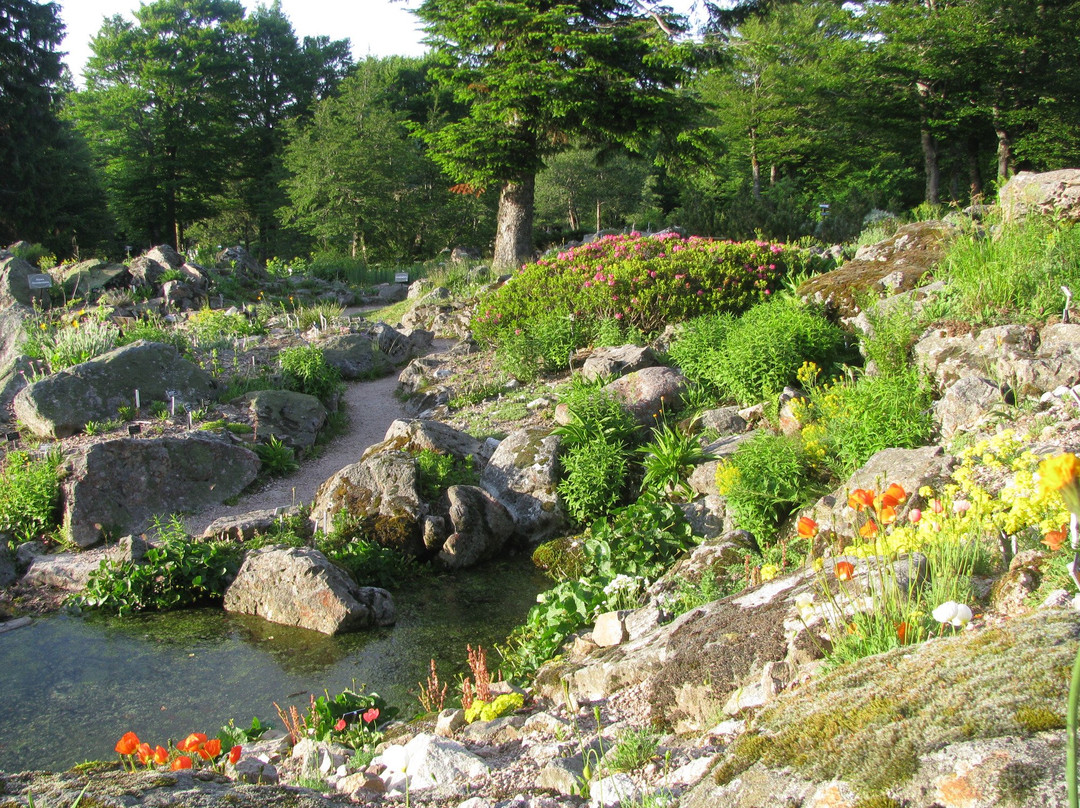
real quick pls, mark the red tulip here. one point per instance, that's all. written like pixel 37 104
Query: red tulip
pixel 340 725
pixel 128 743
pixel 845 570
pixel 182 762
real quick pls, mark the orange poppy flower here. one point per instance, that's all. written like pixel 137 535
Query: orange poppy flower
pixel 143 752
pixel 128 743
pixel 234 754
pixel 807 528
pixel 869 530
pixel 901 632
pixel 861 498
pixel 161 755
pixel 211 749
pixel 192 742
pixel 887 514
pixel 845 570
pixel 182 762
pixel 1055 539
pixel 893 496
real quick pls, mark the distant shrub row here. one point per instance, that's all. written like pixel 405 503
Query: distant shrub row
pixel 643 282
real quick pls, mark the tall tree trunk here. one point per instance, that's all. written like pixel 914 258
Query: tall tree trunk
pixel 572 215
pixel 974 177
pixel 755 165
pixel 598 203
pixel 933 169
pixel 1004 149
pixel 513 232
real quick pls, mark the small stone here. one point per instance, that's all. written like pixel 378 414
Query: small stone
pixel 449 722
pixel 253 770
pixel 609 630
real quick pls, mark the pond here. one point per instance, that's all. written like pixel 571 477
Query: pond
pixel 71 686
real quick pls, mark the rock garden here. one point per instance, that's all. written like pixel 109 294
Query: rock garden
pixel 809 518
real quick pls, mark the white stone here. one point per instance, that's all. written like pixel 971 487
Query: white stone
pixel 609 630
pixel 613 791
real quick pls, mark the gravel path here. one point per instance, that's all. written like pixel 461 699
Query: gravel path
pixel 371 407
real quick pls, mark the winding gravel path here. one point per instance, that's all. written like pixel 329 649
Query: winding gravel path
pixel 371 407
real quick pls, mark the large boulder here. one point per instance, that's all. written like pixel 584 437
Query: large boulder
pixel 13 321
pixel 86 276
pixel 897 264
pixel 384 489
pixel 415 435
pixel 119 486
pixel 70 572
pixel 61 404
pixel 647 393
pixel 238 261
pixel 299 586
pixel 481 527
pixel 522 474
pixel 355 356
pixel 617 361
pixel 293 418
pixel 1053 193
pixel 15 280
pixel 398 345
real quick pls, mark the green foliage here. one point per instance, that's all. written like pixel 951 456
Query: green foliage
pixel 70 340
pixel 154 330
pixel 633 749
pixel 1018 271
pixel 277 459
pixel 593 476
pixel 872 413
pixel 176 573
pixel 29 496
pixel 349 706
pixel 319 314
pixel 36 254
pixel 688 596
pixel 210 327
pixel 562 558
pixel 306 371
pixel 668 459
pixel 762 352
pixel 895 330
pixel 767 479
pixel 543 345
pixel 643 282
pixel 351 544
pixel 232 735
pixel 439 471
pixel 696 344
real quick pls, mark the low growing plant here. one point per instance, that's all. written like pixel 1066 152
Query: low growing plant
pixel 306 371
pixel 277 459
pixel 29 495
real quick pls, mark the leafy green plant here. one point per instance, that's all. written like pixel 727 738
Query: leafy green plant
pixel 154 329
pixel 767 478
pixel 668 459
pixel 214 327
pixel 29 495
pixel 439 471
pixel 633 749
pixel 351 545
pixel 277 459
pixel 176 573
pixel 37 254
pixel 639 541
pixel 306 371
pixel 232 735
pixel 593 476
pixel 895 328
pixel 696 344
pixel 562 558
pixel 70 341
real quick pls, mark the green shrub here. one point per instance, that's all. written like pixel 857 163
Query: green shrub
pixel 306 371
pixel 38 255
pixel 668 460
pixel 176 573
pixel 351 545
pixel 439 471
pixel 640 540
pixel 595 412
pixel 211 326
pixel 763 351
pixel 593 475
pixel 873 413
pixel 29 496
pixel 154 330
pixel 765 481
pixel 643 282
pixel 543 345
pixel 895 329
pixel 694 349
pixel 562 558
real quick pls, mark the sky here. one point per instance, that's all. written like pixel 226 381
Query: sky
pixel 375 27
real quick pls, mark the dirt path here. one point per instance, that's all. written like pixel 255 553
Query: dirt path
pixel 371 407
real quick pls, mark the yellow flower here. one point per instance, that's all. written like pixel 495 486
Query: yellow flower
pixel 1061 473
pixel 769 571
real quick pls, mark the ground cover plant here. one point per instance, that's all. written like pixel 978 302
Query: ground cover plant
pixel 29 496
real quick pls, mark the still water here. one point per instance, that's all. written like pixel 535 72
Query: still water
pixel 71 686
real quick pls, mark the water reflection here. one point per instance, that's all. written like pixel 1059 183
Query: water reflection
pixel 69 687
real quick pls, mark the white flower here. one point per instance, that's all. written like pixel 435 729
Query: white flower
pixel 805 604
pixel 952 613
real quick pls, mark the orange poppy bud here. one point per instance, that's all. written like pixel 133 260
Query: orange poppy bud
pixel 192 742
pixel 845 570
pixel 901 632
pixel 234 754
pixel 161 755
pixel 182 762
pixel 128 743
pixel 807 528
pixel 143 753
pixel 861 498
pixel 1055 539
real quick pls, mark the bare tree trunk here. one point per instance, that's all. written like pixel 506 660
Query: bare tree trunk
pixel 974 177
pixel 755 165
pixel 933 169
pixel 598 203
pixel 513 233
pixel 572 215
pixel 1004 150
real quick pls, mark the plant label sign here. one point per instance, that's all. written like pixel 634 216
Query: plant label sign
pixel 401 277
pixel 39 280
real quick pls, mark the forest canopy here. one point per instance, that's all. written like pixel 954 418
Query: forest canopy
pixel 529 123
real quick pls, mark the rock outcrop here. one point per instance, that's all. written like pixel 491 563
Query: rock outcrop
pixel 1052 193
pixel 293 418
pixel 60 405
pixel 298 586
